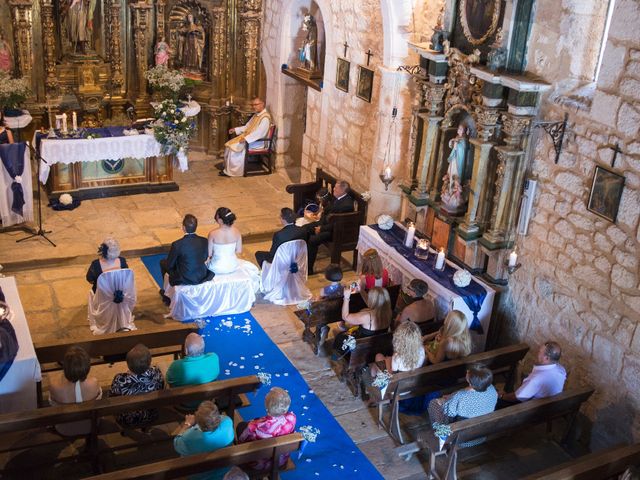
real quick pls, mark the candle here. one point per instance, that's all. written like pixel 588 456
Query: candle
pixel 227 103
pixel 231 99
pixel 411 232
pixel 513 259
pixel 64 123
pixel 74 121
pixel 440 260
pixel 387 172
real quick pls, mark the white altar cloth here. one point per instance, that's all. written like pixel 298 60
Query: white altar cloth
pixel 92 150
pixel 18 387
pixel 6 195
pixel 402 271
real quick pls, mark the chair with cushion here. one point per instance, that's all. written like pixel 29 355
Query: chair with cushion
pixel 261 155
pixel 111 306
pixel 284 280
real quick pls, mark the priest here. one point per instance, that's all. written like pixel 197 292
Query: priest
pixel 248 135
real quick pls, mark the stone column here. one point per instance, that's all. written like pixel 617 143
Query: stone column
pixel 21 14
pixel 429 150
pixel 115 56
pixel 48 46
pixel 250 23
pixel 140 20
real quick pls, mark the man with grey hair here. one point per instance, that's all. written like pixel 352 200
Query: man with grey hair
pixel 196 367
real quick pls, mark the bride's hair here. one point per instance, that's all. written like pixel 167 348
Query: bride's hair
pixel 226 215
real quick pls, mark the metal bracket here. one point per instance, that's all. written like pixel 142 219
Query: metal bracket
pixel 412 69
pixel 556 131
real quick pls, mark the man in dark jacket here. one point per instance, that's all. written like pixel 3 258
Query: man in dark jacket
pixel 290 231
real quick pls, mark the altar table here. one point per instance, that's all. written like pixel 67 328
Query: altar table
pixel 402 271
pixel 18 387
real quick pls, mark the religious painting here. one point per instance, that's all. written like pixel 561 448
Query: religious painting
pixel 342 75
pixel 365 83
pixel 479 19
pixel 606 191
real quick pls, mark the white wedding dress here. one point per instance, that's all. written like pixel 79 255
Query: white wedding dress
pixel 224 261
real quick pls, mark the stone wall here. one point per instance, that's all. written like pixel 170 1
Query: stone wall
pixel 579 283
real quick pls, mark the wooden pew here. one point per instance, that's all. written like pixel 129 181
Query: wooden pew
pixel 525 414
pixel 427 379
pixel 327 311
pixel 346 226
pixel 365 353
pixel 606 464
pixel 223 391
pixel 165 340
pixel 233 455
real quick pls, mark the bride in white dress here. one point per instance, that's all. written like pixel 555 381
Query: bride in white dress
pixel 225 243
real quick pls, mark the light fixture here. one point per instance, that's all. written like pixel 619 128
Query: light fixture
pixel 386 175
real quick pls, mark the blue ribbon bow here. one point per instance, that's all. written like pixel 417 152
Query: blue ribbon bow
pixel 118 296
pixel 12 156
pixel 293 268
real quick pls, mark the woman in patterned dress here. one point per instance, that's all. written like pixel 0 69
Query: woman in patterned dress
pixel 141 378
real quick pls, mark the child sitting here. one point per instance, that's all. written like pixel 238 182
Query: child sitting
pixel 333 273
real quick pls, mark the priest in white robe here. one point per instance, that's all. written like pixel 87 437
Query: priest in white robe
pixel 256 129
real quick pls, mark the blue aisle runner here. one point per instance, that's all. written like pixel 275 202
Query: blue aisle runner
pixel 245 349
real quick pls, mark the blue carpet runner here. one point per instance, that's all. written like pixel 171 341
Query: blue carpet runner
pixel 244 348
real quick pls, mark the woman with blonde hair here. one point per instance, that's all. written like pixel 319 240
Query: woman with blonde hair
pixel 408 351
pixel 451 341
pixel 372 273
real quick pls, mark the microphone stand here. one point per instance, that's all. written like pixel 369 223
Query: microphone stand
pixel 40 232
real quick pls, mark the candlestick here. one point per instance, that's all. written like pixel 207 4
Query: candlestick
pixel 74 121
pixel 513 259
pixel 440 260
pixel 411 232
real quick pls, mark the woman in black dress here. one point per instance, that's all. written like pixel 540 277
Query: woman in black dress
pixel 109 259
pixel 5 134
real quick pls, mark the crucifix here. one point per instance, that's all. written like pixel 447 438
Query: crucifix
pixel 616 151
pixel 369 55
pixel 345 45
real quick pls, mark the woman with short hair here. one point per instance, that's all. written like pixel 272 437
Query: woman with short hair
pixel 108 259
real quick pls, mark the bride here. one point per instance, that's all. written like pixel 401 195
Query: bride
pixel 225 242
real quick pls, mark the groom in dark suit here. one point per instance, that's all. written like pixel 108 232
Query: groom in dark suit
pixel 185 263
pixel 290 231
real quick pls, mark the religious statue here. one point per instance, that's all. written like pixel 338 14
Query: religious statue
pixel 308 54
pixel 77 17
pixel 439 34
pixel 162 53
pixel 6 55
pixel 452 189
pixel 191 46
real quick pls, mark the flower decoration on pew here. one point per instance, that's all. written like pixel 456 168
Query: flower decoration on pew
pixel 173 130
pixel 349 343
pixel 310 434
pixel 382 380
pixel 385 222
pixel 442 431
pixel 264 377
pixel 306 305
pixel 366 196
pixel 462 278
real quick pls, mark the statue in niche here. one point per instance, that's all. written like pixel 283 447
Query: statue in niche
pixel 6 55
pixel 452 189
pixel 191 46
pixel 308 54
pixel 162 53
pixel 77 18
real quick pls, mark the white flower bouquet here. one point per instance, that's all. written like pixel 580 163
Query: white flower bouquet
pixel 13 91
pixel 385 222
pixel 172 129
pixel 461 278
pixel 168 82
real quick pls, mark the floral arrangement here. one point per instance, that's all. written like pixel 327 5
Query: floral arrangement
pixel 310 434
pixel 306 305
pixel 366 196
pixel 172 129
pixel 382 380
pixel 461 278
pixel 385 222
pixel 13 91
pixel 264 377
pixel 349 343
pixel 168 82
pixel 65 199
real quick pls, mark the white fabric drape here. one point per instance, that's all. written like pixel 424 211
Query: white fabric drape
pixel 6 195
pixel 281 283
pixel 106 316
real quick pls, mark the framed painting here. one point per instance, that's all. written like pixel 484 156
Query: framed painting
pixel 365 83
pixel 342 74
pixel 479 19
pixel 606 191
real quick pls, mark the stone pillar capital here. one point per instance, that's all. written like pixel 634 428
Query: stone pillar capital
pixel 515 127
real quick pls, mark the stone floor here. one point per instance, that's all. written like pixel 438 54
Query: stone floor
pixel 54 297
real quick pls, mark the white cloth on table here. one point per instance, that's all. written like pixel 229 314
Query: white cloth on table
pixel 282 283
pixel 105 315
pixel 6 195
pixel 91 150
pixel 18 387
pixel 234 161
pixel 543 381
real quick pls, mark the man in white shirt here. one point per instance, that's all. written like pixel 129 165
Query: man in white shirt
pixel 247 136
pixel 545 380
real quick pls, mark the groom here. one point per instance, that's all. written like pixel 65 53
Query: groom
pixel 289 231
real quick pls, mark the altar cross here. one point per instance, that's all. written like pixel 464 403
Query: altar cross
pixel 616 151
pixel 369 55
pixel 345 45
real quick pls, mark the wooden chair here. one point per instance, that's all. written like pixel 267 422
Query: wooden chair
pixel 233 455
pixel 428 379
pixel 524 414
pixel 263 158
pixel 346 226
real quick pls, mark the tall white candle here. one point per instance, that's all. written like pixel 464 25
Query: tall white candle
pixel 440 259
pixel 74 121
pixel 513 259
pixel 64 123
pixel 387 172
pixel 411 232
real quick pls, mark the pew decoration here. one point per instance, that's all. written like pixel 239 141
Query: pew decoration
pixel 382 380
pixel 349 343
pixel 366 196
pixel 310 435
pixel 306 305
pixel 442 431
pixel 264 377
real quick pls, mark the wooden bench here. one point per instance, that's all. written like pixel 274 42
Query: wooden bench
pixel 365 353
pixel 428 379
pixel 165 340
pixel 233 455
pixel 606 464
pixel 346 226
pixel 327 311
pixel 223 391
pixel 525 414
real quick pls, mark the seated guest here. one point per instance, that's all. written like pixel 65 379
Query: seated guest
pixel 372 273
pixel 6 136
pixel 108 259
pixel 185 263
pixel 289 231
pixel 312 212
pixel 278 421
pixel 415 306
pixel 333 273
pixel 408 351
pixel 196 367
pixel 141 378
pixel 236 473
pixel 478 398
pixel 451 341
pixel 74 386
pixel 322 232
pixel 545 380
pixel 8 339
